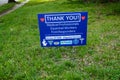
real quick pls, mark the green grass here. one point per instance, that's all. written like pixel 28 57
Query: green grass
pixel 6 7
pixel 20 0
pixel 22 58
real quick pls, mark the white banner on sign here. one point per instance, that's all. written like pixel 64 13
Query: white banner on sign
pixel 62 37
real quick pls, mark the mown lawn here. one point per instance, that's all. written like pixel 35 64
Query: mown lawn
pixel 22 58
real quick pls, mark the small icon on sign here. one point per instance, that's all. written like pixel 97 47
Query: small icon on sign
pixel 44 42
pixel 83 17
pixel 42 19
pixel 76 41
pixel 81 39
pixel 56 43
pixel 50 42
pixel 66 42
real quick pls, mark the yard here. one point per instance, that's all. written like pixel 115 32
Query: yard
pixel 22 58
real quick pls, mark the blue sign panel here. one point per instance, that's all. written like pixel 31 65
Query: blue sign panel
pixel 63 29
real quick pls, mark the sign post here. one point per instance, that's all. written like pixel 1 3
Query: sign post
pixel 63 29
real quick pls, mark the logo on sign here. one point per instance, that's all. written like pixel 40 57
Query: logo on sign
pixel 76 41
pixel 56 43
pixel 66 42
pixel 44 42
pixel 50 42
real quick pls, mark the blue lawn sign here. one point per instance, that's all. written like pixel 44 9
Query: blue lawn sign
pixel 63 29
